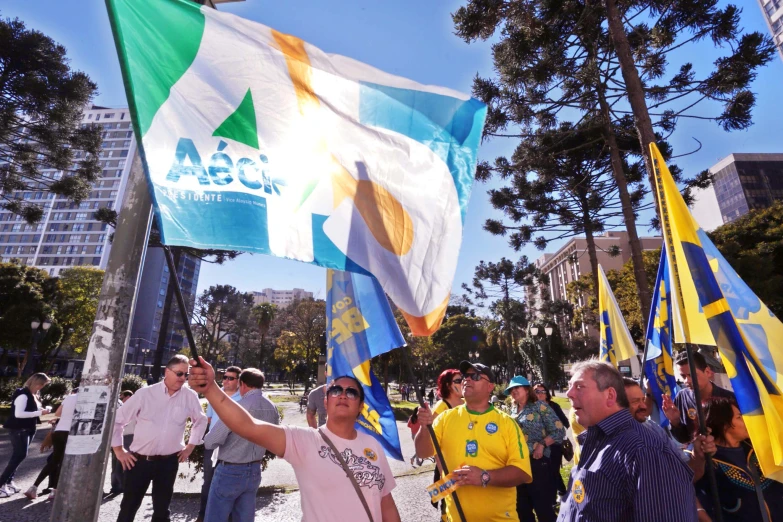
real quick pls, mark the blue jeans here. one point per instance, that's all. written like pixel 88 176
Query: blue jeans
pixel 233 492
pixel 20 442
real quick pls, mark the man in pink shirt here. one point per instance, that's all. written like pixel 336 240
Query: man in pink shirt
pixel 327 494
pixel 158 446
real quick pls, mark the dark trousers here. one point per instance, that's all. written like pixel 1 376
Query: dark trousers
pixel 209 472
pixel 162 474
pixel 55 460
pixel 539 495
pixel 117 473
pixel 556 457
pixel 20 442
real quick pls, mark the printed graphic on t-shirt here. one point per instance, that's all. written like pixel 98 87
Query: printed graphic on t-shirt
pixel 366 473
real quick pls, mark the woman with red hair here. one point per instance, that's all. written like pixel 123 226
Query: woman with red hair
pixel 449 391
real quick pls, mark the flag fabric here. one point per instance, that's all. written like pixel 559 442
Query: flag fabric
pixel 359 326
pixel 616 341
pixel 257 141
pixel 707 291
pixel 659 366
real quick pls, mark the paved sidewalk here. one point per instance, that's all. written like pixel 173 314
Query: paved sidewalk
pixel 281 506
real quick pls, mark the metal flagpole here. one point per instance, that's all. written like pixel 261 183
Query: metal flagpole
pixel 80 488
pixel 420 397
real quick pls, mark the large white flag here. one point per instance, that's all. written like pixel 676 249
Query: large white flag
pixel 254 140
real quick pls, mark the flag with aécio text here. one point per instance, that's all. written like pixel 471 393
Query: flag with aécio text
pixel 257 141
pixel 359 326
pixel 710 302
pixel 616 341
pixel 659 366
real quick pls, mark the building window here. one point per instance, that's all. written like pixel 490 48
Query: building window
pixel 99 249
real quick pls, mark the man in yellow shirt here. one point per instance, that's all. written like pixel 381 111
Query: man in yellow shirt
pixel 483 447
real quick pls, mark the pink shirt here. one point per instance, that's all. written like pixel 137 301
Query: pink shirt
pixel 160 420
pixel 326 493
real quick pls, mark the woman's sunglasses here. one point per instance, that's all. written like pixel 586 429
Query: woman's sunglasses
pixel 337 390
pixel 456 380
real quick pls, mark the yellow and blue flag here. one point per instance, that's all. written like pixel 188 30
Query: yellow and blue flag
pixel 616 341
pixel 359 326
pixel 659 367
pixel 711 303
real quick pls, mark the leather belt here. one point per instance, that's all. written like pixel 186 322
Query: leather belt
pixel 238 463
pixel 152 458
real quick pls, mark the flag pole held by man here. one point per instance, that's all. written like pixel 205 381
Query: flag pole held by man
pixel 712 305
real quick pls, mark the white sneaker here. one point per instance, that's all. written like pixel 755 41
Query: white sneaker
pixel 13 487
pixel 5 492
pixel 51 495
pixel 31 493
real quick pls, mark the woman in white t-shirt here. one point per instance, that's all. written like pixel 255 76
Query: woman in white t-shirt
pixel 327 494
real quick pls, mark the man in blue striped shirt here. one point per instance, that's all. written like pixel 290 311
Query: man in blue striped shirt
pixel 625 473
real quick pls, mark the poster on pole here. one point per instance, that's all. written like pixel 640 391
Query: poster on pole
pixel 89 420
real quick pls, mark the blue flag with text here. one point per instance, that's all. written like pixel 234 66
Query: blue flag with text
pixel 359 326
pixel 659 367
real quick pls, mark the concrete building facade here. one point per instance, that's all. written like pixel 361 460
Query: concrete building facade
pixel 281 298
pixel 571 261
pixel 773 15
pixel 69 235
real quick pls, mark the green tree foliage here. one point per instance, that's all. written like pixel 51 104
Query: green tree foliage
pixel 26 294
pixel 41 103
pixel 753 246
pixel 76 303
pixel 218 312
pixel 262 315
pixel 132 382
pixel 303 329
pixel 561 185
pixel 503 284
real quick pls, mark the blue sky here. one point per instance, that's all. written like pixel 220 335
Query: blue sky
pixel 409 38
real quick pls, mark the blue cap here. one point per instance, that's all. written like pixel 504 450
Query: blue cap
pixel 518 380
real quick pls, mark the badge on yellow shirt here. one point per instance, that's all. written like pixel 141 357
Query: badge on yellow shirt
pixel 471 448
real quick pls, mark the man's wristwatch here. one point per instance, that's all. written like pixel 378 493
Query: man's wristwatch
pixel 484 478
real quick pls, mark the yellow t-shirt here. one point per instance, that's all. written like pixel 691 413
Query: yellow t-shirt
pixel 495 441
pixel 439 408
pixel 576 429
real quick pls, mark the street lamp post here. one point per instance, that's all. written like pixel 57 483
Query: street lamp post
pixel 36 326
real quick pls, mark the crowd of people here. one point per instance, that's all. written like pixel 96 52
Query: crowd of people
pixel 505 466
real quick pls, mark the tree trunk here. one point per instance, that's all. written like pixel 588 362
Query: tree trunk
pixel 509 339
pixel 634 89
pixel 587 223
pixel 642 285
pixel 261 350
pixel 165 319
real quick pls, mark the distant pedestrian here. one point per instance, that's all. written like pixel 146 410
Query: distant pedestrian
pixel 25 414
pixel 334 464
pixel 161 412
pixel 59 440
pixel 431 398
pixel 117 473
pixel 316 406
pixel 238 471
pixel 231 387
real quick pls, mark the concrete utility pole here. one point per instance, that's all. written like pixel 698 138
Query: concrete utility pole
pixel 81 477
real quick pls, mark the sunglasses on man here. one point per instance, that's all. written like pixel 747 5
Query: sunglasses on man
pixel 473 376
pixel 179 374
pixel 337 390
pixel 229 378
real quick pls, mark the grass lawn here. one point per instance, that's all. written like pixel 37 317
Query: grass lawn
pixel 563 402
pixel 565 472
pixel 404 404
pixel 277 399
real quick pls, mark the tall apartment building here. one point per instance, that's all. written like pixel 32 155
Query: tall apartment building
pixel 572 260
pixel 773 14
pixel 741 183
pixel 281 298
pixel 146 327
pixel 69 235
